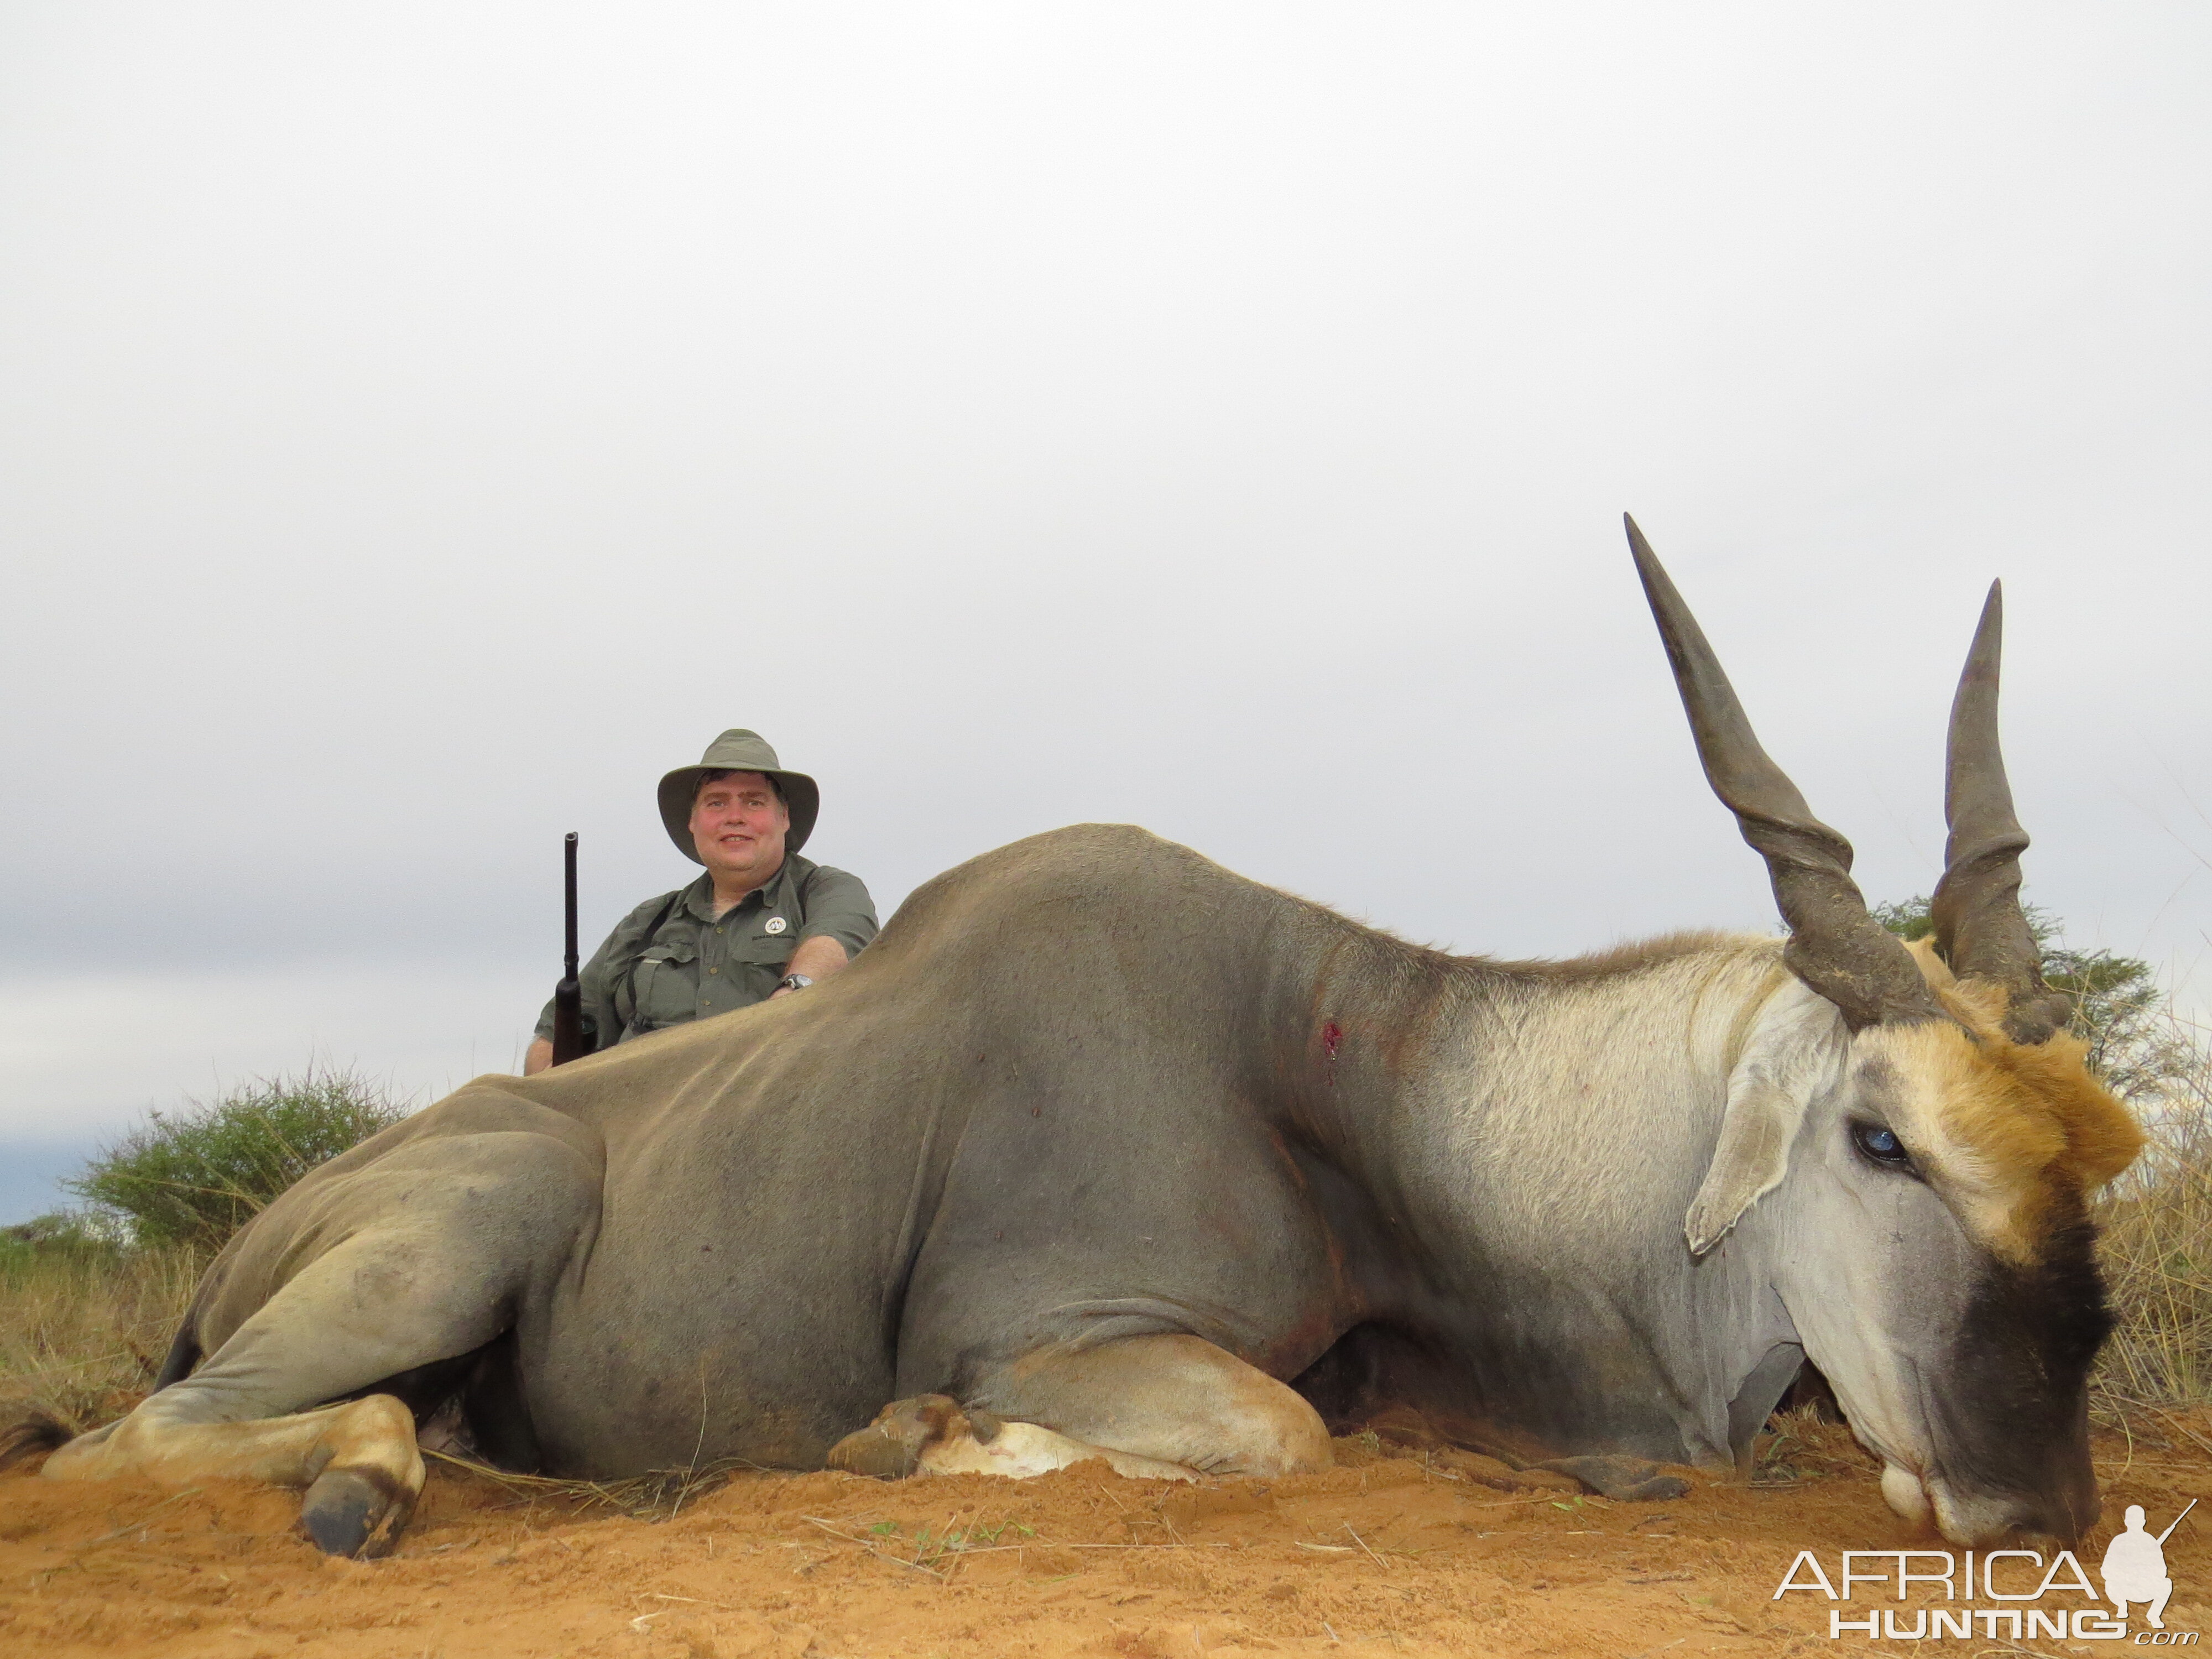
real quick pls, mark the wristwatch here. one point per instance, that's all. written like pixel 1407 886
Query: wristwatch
pixel 793 982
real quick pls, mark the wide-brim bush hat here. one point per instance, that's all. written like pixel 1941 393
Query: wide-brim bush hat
pixel 737 751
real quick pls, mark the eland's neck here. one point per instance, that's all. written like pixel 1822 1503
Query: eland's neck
pixel 1532 1135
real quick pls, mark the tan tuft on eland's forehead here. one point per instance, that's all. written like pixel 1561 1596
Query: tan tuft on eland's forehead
pixel 2031 1116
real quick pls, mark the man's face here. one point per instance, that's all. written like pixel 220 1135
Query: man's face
pixel 737 823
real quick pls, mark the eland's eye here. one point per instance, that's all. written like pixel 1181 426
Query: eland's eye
pixel 1879 1144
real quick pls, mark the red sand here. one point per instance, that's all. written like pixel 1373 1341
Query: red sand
pixel 1386 1555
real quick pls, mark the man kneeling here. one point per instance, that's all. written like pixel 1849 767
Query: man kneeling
pixel 762 923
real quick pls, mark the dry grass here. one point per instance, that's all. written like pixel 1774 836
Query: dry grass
pixel 2157 1222
pixel 83 1333
pixel 656 1495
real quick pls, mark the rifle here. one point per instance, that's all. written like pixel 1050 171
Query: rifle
pixel 569 1040
pixel 2177 1520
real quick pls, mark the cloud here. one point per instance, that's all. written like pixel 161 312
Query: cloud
pixel 88 1053
pixel 421 429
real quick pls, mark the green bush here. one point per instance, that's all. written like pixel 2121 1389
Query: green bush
pixel 193 1178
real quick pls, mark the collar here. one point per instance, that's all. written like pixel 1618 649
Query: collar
pixel 775 894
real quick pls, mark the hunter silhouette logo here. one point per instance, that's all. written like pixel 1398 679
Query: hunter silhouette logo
pixel 2133 1569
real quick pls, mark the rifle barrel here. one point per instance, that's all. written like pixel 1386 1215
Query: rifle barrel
pixel 2177 1520
pixel 569 886
pixel 568 1039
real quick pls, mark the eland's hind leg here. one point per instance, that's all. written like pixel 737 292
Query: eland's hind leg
pixel 425 1252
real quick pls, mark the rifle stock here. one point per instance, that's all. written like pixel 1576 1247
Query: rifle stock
pixel 569 1040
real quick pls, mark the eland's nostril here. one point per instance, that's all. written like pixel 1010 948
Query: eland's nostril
pixel 2068 1514
pixel 2015 1520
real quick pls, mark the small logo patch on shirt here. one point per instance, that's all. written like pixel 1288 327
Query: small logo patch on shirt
pixel 775 925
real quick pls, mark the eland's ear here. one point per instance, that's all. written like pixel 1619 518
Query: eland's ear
pixel 1796 1048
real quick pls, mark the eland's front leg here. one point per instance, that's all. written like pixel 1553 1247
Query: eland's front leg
pixel 358 1462
pixel 1161 1406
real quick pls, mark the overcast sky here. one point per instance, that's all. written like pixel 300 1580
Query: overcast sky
pixel 423 426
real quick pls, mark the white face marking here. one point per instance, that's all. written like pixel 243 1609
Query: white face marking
pixel 1876 1269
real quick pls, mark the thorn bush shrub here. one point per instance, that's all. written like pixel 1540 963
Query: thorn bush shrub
pixel 193 1178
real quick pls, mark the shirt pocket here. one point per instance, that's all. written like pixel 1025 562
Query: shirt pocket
pixel 665 989
pixel 764 949
pixel 758 959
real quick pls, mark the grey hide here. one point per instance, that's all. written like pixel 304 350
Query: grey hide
pixel 1085 1087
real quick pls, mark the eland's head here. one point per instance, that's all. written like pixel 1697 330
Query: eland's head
pixel 1927 1155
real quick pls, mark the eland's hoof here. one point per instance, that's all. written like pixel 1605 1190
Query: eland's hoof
pixel 1624 1480
pixel 354 1512
pixel 890 1447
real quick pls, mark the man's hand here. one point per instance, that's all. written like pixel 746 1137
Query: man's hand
pixel 817 958
pixel 536 1057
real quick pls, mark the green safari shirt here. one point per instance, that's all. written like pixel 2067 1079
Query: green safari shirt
pixel 694 964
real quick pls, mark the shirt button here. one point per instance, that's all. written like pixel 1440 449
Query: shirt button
pixel 714 970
